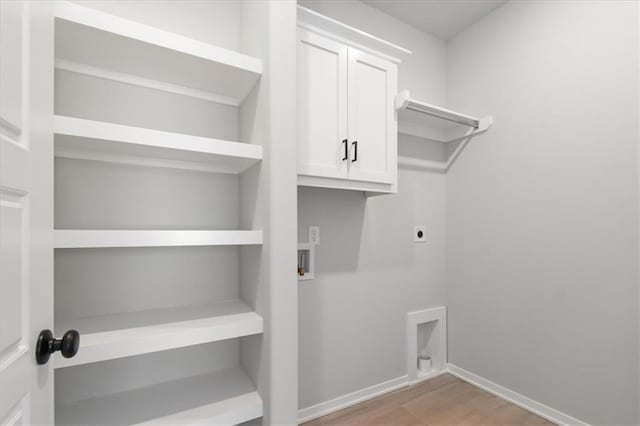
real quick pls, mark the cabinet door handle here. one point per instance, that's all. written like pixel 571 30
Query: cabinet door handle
pixel 355 151
pixel 346 149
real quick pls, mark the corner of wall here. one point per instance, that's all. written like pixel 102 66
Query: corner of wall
pixel 269 32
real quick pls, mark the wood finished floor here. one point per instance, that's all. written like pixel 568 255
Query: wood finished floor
pixel 443 400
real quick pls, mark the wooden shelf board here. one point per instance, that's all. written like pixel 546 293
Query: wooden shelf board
pixel 225 397
pixel 95 140
pixel 101 40
pixel 90 238
pixel 134 333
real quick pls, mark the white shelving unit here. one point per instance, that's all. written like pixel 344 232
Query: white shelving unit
pixel 127 334
pixel 79 238
pixel 226 397
pixel 95 140
pixel 112 48
pixel 100 44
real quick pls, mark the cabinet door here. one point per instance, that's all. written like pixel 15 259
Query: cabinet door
pixel 372 126
pixel 322 106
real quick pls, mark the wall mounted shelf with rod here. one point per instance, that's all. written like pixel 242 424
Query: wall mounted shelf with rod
pixel 435 123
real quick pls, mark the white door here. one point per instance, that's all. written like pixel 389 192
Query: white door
pixel 372 127
pixel 26 209
pixel 322 106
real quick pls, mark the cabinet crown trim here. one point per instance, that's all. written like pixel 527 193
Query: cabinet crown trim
pixel 336 30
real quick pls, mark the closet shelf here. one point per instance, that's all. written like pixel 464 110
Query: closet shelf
pixel 95 140
pixel 90 238
pixel 134 333
pixel 98 43
pixel 226 397
pixel 432 122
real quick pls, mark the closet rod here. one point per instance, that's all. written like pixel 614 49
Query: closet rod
pixel 445 115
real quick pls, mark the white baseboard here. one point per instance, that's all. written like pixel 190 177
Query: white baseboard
pixel 535 407
pixel 515 398
pixel 350 399
pixel 425 377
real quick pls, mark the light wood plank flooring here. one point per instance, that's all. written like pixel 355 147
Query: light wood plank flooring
pixel 443 400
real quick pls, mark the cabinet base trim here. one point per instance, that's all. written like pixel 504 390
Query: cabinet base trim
pixel 368 187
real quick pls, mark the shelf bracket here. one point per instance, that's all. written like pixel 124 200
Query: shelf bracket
pixel 484 124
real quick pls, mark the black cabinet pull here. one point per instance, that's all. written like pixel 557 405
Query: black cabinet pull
pixel 47 344
pixel 355 151
pixel 346 149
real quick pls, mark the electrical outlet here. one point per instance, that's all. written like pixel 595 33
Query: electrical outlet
pixel 420 234
pixel 314 234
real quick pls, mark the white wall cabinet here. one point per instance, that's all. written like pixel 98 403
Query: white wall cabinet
pixel 373 137
pixel 347 130
pixel 322 106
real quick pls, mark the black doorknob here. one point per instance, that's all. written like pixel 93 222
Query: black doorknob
pixel 47 344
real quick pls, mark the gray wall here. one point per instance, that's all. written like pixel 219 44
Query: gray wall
pixel 369 272
pixel 216 22
pixel 542 211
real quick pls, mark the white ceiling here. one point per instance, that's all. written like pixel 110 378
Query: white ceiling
pixel 441 18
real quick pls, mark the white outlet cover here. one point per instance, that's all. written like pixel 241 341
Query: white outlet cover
pixel 314 234
pixel 416 234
